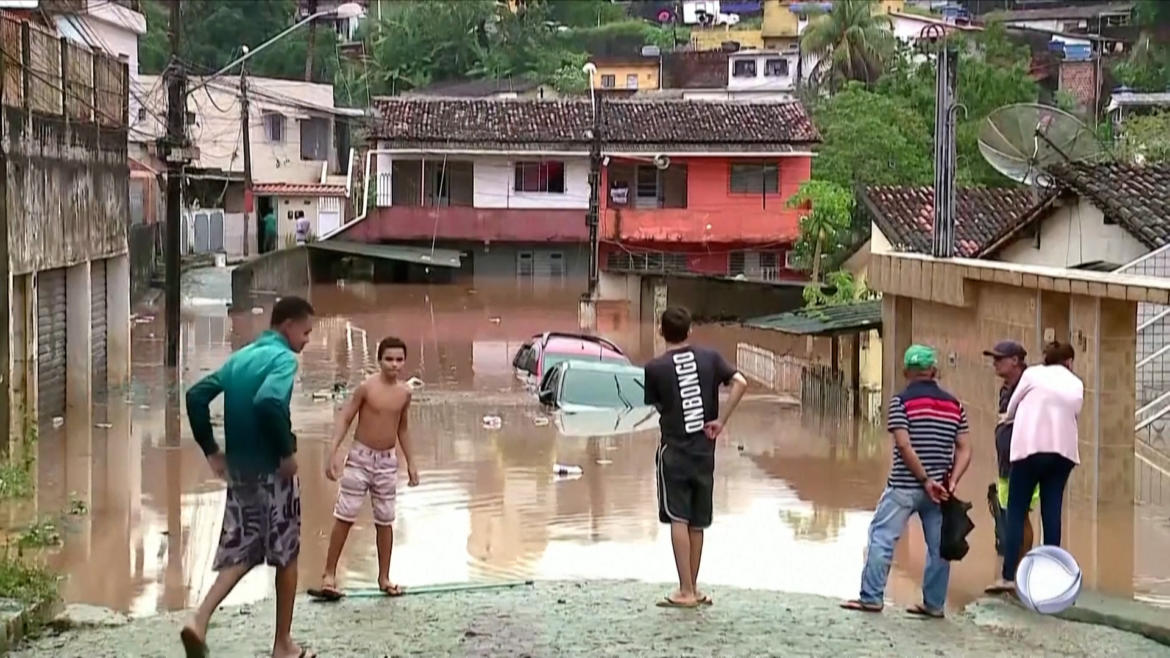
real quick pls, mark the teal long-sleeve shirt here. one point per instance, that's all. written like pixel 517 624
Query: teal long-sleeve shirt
pixel 256 383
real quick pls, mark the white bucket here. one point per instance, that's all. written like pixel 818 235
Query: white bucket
pixel 221 260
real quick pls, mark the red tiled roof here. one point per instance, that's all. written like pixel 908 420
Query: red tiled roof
pixel 298 189
pixel 1135 196
pixel 983 215
pixel 566 123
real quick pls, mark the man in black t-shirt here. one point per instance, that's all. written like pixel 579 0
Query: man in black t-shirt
pixel 683 384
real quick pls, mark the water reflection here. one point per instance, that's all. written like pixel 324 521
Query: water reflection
pixel 793 496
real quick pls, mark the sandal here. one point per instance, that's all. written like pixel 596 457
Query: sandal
pixel 668 602
pixel 856 604
pixel 923 611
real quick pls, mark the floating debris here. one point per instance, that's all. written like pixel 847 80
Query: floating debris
pixel 494 320
pixel 540 421
pixel 58 421
pixel 414 383
pixel 492 422
pixel 256 310
pixel 604 462
pixel 567 469
pixel 103 426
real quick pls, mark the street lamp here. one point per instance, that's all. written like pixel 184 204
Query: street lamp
pixel 344 10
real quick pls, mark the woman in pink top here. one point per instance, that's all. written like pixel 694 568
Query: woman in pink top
pixel 1044 409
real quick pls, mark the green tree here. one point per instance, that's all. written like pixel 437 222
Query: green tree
pixel 852 42
pixel 1145 138
pixel 993 71
pixel 1147 68
pixel 215 31
pixel 871 139
pixel 585 13
pixel 826 222
pixel 844 287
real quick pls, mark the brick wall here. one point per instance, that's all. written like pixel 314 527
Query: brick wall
pixel 1080 80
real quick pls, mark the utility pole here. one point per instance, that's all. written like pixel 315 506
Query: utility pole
pixel 945 106
pixel 245 130
pixel 312 42
pixel 592 218
pixel 173 148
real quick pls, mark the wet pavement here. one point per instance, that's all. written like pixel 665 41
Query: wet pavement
pixel 554 619
pixel 793 496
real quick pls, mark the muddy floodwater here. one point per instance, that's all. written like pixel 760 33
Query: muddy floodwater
pixel 793 495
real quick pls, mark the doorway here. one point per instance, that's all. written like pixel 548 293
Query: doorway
pixel 264 242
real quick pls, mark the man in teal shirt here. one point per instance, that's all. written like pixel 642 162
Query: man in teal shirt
pixel 262 517
pixel 269 224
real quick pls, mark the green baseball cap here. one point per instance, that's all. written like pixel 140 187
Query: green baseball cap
pixel 919 357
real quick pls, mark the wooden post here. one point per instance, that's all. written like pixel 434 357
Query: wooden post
pixel 6 314
pixel 63 44
pixel 25 63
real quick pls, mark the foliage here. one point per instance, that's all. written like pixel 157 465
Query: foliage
pixel 871 139
pixel 1145 138
pixel 624 38
pixel 1147 68
pixel 215 30
pixel 992 72
pixel 15 481
pixel 851 41
pixel 845 290
pixel 26 583
pixel 585 13
pixel 825 223
pixel 40 534
pixel 1153 12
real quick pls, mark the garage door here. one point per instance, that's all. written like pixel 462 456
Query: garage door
pixel 97 315
pixel 51 343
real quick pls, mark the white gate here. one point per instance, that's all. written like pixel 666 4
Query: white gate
pixel 328 215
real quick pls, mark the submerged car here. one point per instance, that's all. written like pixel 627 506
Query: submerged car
pixel 539 354
pixel 580 386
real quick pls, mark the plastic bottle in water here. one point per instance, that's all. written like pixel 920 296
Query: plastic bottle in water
pixel 567 469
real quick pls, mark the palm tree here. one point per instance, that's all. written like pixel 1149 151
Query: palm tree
pixel 851 42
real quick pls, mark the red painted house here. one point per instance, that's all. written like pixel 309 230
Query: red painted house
pixel 697 186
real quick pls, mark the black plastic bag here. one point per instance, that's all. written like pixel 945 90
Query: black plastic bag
pixel 956 525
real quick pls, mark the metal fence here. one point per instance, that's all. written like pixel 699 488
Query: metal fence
pixel 781 373
pixel 825 391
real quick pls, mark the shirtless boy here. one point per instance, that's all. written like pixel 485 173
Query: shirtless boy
pixel 381 404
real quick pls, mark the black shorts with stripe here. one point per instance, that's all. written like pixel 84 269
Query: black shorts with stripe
pixel 686 481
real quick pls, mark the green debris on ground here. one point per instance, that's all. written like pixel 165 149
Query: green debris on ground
pixel 40 534
pixel 26 582
pixel 15 481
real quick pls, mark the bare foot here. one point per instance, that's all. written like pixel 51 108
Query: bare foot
pixel 679 599
pixel 290 649
pixel 389 588
pixel 193 636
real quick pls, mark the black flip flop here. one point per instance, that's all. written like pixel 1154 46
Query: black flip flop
pixel 859 606
pixel 923 611
pixel 668 602
pixel 325 594
pixel 192 645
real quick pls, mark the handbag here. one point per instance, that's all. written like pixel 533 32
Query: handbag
pixel 956 525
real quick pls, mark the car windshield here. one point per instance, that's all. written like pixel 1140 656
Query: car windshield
pixel 598 388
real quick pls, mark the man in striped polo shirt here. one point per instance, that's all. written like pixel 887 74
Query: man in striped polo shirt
pixel 931 453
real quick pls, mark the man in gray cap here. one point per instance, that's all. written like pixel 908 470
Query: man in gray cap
pixel 1008 357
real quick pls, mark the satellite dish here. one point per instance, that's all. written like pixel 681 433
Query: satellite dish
pixel 1023 140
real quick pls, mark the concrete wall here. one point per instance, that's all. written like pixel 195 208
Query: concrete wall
pixel 276 273
pixel 1074 234
pixel 495 185
pixel 960 307
pixel 68 197
pixel 64 203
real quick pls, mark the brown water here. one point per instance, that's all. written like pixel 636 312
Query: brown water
pixel 793 496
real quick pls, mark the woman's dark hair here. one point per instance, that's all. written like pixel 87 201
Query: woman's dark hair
pixel 1057 353
pixel 389 343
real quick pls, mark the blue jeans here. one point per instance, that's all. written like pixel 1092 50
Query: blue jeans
pixel 889 520
pixel 1050 471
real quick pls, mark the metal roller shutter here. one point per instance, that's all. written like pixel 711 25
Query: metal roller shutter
pixel 51 343
pixel 97 315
